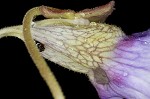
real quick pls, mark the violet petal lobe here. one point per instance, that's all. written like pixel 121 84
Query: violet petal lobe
pixel 127 72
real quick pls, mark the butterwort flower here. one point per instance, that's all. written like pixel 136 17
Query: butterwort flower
pixel 126 73
pixel 117 65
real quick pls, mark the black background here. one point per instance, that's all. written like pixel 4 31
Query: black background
pixel 19 77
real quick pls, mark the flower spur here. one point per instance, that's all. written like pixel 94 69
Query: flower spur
pixel 117 65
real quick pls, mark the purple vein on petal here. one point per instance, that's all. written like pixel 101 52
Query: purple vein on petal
pixel 128 69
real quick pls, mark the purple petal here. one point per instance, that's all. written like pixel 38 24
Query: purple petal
pixel 128 71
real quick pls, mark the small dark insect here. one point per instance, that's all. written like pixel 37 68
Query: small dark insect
pixel 40 46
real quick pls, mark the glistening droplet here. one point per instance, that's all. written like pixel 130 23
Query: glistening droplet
pixel 125 74
pixel 145 42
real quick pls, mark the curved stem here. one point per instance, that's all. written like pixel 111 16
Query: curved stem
pixel 43 68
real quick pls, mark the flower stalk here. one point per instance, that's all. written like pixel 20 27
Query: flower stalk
pixel 42 66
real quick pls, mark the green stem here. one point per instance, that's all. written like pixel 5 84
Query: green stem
pixel 15 31
pixel 46 73
pixel 43 68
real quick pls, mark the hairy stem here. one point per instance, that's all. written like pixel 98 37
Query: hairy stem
pixel 43 68
pixel 15 31
pixel 46 73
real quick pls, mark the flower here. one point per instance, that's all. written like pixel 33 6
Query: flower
pixel 117 65
pixel 126 74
